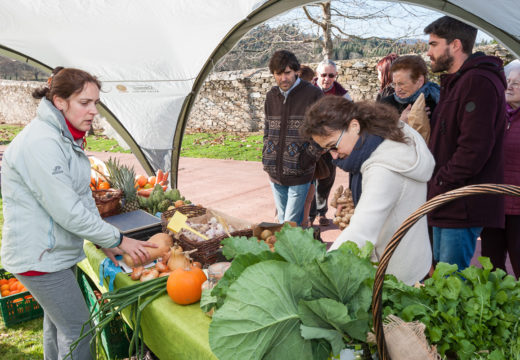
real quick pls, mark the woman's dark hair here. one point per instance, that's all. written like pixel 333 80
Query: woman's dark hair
pixel 414 63
pixel 384 67
pixel 332 113
pixel 450 29
pixel 306 73
pixel 64 82
pixel 281 59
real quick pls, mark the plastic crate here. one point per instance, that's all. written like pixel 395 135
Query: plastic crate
pixel 19 307
pixel 114 338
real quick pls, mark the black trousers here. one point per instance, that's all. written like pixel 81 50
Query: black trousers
pixel 320 205
pixel 496 243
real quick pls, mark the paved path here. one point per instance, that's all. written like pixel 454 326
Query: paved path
pixel 238 188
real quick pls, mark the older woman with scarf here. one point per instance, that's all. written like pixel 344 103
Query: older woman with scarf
pixel 497 243
pixel 389 164
pixel 410 79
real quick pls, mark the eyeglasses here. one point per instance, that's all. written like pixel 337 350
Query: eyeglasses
pixel 329 75
pixel 335 147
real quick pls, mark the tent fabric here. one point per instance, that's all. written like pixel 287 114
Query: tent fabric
pixel 153 56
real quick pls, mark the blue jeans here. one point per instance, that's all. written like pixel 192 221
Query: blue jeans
pixel 290 201
pixel 455 246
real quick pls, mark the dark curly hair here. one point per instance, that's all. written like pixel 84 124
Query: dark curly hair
pixel 332 113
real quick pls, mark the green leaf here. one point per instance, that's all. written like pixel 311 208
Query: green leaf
pixel 237 245
pixel 298 246
pixel 333 337
pixel 486 263
pixel 340 275
pixel 259 319
pixel 330 314
pixel 443 269
pixel 207 301
pixel 452 288
pixel 239 264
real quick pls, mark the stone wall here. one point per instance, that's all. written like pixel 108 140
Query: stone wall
pixel 228 101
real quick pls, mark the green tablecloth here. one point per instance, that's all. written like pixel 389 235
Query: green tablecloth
pixel 171 331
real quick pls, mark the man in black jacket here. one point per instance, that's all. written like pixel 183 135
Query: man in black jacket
pixel 288 158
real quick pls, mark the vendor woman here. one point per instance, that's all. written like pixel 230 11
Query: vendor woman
pixel 49 209
pixel 389 165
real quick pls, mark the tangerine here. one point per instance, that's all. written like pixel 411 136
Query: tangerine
pixel 4 293
pixel 152 180
pixel 103 185
pixel 141 180
pixel 3 281
pixel 4 287
pixel 14 286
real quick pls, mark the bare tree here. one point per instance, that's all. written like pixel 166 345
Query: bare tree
pixel 334 19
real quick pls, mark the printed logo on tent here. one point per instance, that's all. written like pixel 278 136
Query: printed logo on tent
pixel 121 88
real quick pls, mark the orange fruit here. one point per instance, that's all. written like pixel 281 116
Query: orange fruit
pixel 141 180
pixel 103 185
pixel 4 293
pixel 184 285
pixel 14 292
pixel 14 286
pixel 3 281
pixel 178 203
pixel 4 287
pixel 12 280
pixel 152 180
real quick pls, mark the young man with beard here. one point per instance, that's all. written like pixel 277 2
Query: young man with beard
pixel 466 139
pixel 288 158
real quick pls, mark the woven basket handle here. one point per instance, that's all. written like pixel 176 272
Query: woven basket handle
pixel 377 294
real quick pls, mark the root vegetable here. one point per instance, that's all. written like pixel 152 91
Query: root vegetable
pixel 265 234
pixel 271 240
pixel 161 267
pixel 166 273
pixel 149 274
pixel 136 273
pixel 164 242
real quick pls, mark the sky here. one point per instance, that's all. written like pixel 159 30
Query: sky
pixel 402 20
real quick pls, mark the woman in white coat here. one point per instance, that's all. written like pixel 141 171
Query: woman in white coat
pixel 389 165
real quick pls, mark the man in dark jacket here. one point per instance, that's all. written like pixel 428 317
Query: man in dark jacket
pixel 288 157
pixel 466 140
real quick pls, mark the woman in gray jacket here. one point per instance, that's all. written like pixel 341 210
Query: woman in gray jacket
pixel 49 209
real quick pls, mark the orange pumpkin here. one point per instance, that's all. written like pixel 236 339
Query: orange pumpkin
pixel 184 285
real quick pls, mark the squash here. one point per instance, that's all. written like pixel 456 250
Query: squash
pixel 164 242
pixel 184 285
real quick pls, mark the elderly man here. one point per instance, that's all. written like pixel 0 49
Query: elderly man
pixel 288 158
pixel 327 73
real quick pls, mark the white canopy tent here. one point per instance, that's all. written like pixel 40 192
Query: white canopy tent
pixel 153 56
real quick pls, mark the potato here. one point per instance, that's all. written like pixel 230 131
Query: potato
pixel 164 242
pixel 265 234
pixel 271 240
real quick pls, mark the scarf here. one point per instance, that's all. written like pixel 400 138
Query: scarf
pixel 428 89
pixel 510 114
pixel 364 147
pixel 76 134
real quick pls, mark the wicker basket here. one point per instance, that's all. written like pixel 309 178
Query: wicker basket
pixel 108 201
pixel 434 203
pixel 188 210
pixel 207 251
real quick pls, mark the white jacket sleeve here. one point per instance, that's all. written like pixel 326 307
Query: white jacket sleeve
pixel 49 179
pixel 381 188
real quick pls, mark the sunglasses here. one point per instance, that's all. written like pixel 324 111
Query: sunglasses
pixel 329 75
pixel 335 146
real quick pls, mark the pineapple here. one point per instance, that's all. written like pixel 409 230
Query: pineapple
pixel 122 177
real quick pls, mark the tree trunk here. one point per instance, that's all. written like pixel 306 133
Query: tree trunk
pixel 327 31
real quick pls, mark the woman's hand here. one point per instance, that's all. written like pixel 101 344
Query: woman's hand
pixel 111 254
pixel 136 249
pixel 404 114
